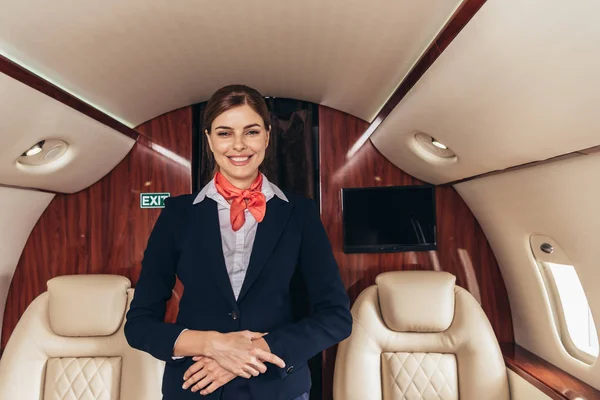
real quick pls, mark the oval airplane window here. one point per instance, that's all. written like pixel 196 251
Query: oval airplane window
pixel 570 307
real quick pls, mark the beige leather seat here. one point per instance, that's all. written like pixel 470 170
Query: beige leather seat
pixel 69 344
pixel 418 336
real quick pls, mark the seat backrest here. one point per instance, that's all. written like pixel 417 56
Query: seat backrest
pixel 417 336
pixel 69 344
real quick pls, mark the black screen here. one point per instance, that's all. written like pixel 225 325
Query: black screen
pixel 387 219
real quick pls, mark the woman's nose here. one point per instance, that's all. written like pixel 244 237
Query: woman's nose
pixel 239 143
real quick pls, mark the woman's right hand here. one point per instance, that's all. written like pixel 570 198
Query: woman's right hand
pixel 236 353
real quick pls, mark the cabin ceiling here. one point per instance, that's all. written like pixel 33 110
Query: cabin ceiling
pixel 518 84
pixel 138 59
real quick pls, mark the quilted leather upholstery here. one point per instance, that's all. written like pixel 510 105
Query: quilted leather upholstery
pixel 86 378
pixel 374 362
pixel 41 364
pixel 415 376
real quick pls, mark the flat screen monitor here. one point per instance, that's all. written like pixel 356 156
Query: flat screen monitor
pixel 389 219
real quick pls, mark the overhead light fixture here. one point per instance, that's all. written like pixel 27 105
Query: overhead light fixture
pixel 431 150
pixel 35 149
pixel 438 144
pixel 44 152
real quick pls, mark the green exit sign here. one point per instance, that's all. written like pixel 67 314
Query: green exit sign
pixel 153 200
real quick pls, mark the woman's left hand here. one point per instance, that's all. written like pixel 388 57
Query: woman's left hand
pixel 206 374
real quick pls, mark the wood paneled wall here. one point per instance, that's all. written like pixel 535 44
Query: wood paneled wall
pixel 463 249
pixel 102 230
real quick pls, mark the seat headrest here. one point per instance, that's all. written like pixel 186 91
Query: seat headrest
pixel 416 301
pixel 87 305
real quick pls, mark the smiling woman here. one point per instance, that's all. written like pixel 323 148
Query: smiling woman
pixel 238 245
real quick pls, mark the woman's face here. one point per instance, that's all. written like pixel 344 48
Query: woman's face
pixel 238 140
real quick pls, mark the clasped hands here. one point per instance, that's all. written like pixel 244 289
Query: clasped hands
pixel 229 355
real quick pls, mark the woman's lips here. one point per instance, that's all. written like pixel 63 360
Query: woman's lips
pixel 239 161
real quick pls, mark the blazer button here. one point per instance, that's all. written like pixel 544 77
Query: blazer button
pixel 290 369
pixel 234 315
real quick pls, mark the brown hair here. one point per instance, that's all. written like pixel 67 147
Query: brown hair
pixel 232 96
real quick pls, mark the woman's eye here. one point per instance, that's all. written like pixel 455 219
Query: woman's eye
pixel 223 133
pixel 253 132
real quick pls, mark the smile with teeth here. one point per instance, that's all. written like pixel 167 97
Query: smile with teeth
pixel 239 160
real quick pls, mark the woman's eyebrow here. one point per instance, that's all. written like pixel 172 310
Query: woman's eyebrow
pixel 246 127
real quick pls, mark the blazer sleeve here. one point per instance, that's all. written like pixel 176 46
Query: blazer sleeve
pixel 145 328
pixel 330 321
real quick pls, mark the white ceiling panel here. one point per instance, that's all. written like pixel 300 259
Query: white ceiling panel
pixel 518 84
pixel 138 59
pixel 28 116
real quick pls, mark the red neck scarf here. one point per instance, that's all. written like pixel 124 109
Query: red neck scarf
pixel 252 199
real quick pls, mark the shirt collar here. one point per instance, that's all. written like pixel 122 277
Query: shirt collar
pixel 210 190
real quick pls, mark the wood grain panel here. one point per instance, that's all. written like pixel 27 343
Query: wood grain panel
pixel 463 249
pixel 172 131
pixel 551 380
pixel 32 80
pixel 102 229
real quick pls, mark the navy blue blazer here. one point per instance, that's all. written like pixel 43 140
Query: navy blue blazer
pixel 290 242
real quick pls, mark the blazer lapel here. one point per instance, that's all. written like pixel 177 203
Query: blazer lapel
pixel 210 247
pixel 267 236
